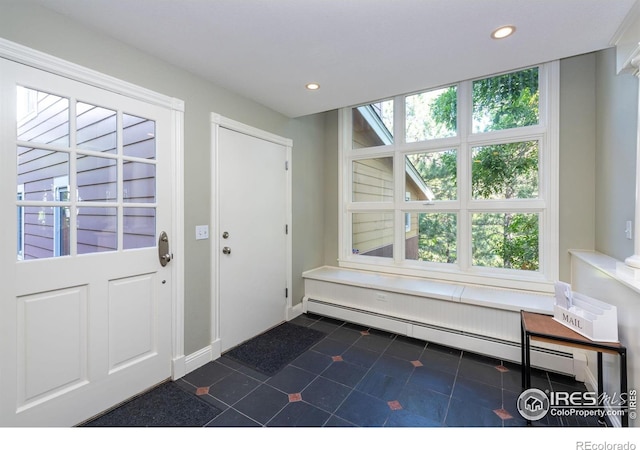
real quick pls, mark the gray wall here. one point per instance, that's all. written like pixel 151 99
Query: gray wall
pixel 598 112
pixel 616 121
pixel 577 158
pixel 56 35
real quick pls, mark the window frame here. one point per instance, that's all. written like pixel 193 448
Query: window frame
pixel 545 205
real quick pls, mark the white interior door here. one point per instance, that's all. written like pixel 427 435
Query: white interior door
pixel 252 242
pixel 85 311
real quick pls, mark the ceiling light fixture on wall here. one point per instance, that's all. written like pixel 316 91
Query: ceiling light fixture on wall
pixel 503 32
pixel 312 86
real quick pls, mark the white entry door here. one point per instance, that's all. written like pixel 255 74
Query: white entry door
pixel 85 310
pixel 252 245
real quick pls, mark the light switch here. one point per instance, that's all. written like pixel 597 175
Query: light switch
pixel 202 232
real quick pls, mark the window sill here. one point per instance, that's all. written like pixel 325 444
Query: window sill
pixel 489 297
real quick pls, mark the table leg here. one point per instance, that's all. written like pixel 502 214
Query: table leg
pixel 522 357
pixel 601 420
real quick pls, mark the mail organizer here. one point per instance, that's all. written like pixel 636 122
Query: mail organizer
pixel 594 319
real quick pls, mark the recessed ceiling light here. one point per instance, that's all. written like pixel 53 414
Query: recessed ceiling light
pixel 313 86
pixel 503 32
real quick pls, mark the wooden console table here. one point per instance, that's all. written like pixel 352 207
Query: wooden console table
pixel 543 328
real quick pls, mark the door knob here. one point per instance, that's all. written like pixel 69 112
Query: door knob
pixel 226 250
pixel 164 253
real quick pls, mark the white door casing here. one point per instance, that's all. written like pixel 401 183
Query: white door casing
pixel 84 331
pixel 252 194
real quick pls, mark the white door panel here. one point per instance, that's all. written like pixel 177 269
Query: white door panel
pixel 252 212
pixel 86 306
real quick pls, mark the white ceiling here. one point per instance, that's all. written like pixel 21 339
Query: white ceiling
pixel 358 50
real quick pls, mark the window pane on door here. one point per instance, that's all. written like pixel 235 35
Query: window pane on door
pixel 37 171
pixel 97 179
pixel 97 128
pixel 42 118
pixel 97 230
pixel 138 137
pixel 139 228
pixel 43 232
pixel 139 182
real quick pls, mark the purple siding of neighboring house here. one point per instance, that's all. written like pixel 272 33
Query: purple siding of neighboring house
pixel 43 176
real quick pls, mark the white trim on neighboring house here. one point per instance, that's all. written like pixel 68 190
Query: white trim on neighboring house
pixel 39 60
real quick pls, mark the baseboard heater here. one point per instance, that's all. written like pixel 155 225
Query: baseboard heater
pixel 503 349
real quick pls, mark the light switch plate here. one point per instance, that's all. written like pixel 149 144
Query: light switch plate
pixel 202 232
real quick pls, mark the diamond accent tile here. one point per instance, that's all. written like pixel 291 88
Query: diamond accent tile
pixel 503 414
pixel 417 363
pixel 337 358
pixel 202 391
pixel 502 369
pixel 297 397
pixel 364 333
pixel 394 405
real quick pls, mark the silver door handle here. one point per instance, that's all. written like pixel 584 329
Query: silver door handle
pixel 163 249
pixel 226 250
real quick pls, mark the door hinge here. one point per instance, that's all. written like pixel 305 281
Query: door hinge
pixel 286 229
pixel 286 165
pixel 286 292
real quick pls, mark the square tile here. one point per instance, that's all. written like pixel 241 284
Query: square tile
pixel 428 404
pixel 299 414
pixel 394 405
pixel 461 413
pixel 363 410
pixel 262 404
pixel 345 373
pixel 208 374
pixel 291 379
pixel 381 385
pixel 312 361
pixel 425 378
pixel 325 394
pixel 232 388
pixel 360 356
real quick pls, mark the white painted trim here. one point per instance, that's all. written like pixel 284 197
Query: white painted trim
pixel 218 121
pixel 178 266
pixel 198 359
pixel 546 206
pixel 39 60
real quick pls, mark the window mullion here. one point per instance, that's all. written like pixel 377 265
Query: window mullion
pixel 465 108
pixel 73 178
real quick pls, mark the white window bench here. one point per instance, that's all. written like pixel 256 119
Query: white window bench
pixel 479 319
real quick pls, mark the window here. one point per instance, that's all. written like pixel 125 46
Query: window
pixel 86 177
pixel 456 183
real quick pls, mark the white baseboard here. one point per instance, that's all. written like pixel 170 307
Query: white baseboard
pixel 294 311
pixel 178 368
pixel 198 359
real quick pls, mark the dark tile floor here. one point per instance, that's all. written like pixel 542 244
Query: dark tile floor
pixel 361 377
